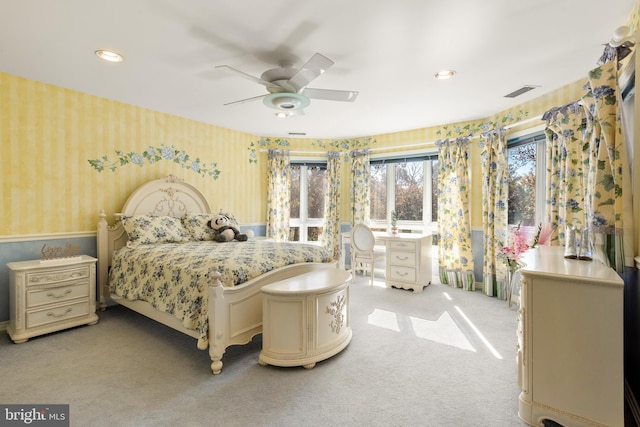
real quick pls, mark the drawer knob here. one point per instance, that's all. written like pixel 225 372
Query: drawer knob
pixel 62 295
pixel 402 258
pixel 52 314
pixel 401 273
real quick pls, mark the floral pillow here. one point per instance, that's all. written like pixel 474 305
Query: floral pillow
pixel 196 225
pixel 147 229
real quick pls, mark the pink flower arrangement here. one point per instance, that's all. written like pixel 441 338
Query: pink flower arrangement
pixel 511 254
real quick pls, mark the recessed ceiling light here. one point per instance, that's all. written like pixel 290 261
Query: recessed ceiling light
pixel 109 55
pixel 444 74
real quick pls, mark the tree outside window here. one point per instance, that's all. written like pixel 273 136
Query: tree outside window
pixel 409 191
pixel 306 203
pixel 407 187
pixel 522 185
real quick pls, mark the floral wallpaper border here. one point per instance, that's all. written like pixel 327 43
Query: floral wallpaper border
pixel 254 147
pixel 155 154
pixel 344 146
pixel 475 129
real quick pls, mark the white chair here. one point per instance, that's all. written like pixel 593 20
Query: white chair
pixel 364 250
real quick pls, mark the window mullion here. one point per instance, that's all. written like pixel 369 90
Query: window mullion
pixel 391 190
pixel 304 199
pixel 426 192
pixel 541 186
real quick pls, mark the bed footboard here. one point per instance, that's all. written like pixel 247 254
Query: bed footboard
pixel 235 313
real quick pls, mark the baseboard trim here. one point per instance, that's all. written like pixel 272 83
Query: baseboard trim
pixel 632 402
pixel 3 326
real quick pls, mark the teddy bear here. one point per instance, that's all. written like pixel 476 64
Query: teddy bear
pixel 225 232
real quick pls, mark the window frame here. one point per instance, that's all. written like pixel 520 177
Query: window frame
pixel 522 138
pixel 304 222
pixel 392 159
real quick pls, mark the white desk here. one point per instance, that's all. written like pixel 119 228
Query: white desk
pixel 408 258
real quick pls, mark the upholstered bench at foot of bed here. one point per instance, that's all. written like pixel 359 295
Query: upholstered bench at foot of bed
pixel 305 318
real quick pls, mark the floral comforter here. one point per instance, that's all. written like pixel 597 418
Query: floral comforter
pixel 174 277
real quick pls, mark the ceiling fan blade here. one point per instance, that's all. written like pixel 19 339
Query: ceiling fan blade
pixel 247 76
pixel 314 67
pixel 242 101
pixel 331 95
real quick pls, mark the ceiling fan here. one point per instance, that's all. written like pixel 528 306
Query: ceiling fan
pixel 287 86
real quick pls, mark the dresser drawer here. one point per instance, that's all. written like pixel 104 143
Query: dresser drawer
pixel 57 313
pixel 401 273
pixel 57 275
pixel 73 290
pixel 400 245
pixel 408 259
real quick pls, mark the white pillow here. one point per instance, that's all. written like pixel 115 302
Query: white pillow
pixel 147 229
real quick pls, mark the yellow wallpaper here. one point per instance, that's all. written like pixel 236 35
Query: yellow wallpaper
pixel 48 134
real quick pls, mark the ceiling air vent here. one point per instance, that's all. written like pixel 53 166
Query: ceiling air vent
pixel 297 133
pixel 520 91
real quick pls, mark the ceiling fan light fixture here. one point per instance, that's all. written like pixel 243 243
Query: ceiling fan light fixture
pixel 286 101
pixel 444 74
pixel 109 55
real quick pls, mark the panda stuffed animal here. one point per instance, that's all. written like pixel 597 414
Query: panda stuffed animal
pixel 225 232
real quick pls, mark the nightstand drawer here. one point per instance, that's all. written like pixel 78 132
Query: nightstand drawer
pixel 57 275
pixel 37 297
pixel 401 273
pixel 403 245
pixel 407 259
pixel 58 313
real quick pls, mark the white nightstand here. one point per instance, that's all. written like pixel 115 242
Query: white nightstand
pixel 51 296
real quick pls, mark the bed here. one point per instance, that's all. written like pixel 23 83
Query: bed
pixel 208 290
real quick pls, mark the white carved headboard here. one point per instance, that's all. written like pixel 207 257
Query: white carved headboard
pixel 169 196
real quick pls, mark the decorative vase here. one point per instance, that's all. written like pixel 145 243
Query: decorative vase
pixel 394 230
pixel 510 285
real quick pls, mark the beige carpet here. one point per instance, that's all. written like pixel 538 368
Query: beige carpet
pixel 445 357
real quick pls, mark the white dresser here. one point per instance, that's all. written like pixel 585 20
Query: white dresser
pixel 408 258
pixel 570 341
pixel 48 297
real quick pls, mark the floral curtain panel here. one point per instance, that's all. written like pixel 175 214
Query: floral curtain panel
pixel 278 183
pixel 588 177
pixel 495 196
pixel 609 186
pixel 331 234
pixel 454 255
pixel 360 172
pixel 568 134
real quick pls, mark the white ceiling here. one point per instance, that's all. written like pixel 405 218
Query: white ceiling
pixel 386 50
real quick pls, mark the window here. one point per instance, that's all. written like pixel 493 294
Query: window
pixel 407 185
pixel 308 185
pixel 526 178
